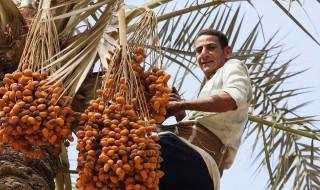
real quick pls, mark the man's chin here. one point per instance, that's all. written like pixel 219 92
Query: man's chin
pixel 207 70
pixel 207 74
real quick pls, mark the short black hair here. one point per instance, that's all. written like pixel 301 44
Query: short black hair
pixel 224 42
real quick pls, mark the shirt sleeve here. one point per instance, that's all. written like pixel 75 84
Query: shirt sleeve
pixel 236 82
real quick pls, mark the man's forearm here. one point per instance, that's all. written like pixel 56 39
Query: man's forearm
pixel 217 103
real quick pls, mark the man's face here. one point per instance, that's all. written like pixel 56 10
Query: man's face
pixel 209 54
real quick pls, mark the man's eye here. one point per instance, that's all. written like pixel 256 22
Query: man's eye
pixel 198 49
pixel 211 47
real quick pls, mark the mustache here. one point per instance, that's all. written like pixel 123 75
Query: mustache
pixel 205 62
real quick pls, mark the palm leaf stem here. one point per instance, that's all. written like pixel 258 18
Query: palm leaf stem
pixel 65 161
pixel 192 8
pixel 136 12
pixel 284 128
pixel 296 21
pixel 59 181
pixel 63 179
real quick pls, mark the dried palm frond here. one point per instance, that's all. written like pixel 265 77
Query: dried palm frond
pixel 78 58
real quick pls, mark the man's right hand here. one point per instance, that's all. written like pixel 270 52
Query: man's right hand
pixel 174 105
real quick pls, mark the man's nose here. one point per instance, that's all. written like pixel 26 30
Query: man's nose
pixel 204 52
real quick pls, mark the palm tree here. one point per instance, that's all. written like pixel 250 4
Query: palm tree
pixel 86 30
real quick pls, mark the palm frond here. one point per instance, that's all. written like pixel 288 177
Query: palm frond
pixel 78 58
pixel 269 102
pixel 287 11
pixel 73 16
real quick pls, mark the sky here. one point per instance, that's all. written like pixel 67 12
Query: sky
pixel 242 174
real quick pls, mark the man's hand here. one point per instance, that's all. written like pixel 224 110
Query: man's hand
pixel 175 106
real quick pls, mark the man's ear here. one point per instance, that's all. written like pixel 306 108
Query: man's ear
pixel 227 52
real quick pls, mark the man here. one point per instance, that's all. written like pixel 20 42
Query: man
pixel 209 136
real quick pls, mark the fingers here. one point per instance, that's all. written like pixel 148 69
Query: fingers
pixel 169 114
pixel 174 106
pixel 180 115
pixel 173 111
pixel 171 106
pixel 174 97
pixel 174 90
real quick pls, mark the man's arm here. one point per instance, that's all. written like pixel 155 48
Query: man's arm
pixel 221 102
pixel 235 93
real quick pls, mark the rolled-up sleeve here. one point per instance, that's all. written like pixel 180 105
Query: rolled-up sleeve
pixel 236 82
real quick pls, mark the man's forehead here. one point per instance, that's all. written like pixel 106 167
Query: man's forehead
pixel 203 42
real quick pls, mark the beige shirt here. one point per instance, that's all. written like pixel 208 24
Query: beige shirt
pixel 232 78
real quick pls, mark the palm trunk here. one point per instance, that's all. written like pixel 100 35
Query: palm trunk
pixel 19 173
pixel 13 31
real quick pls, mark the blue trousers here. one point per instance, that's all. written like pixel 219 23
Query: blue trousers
pixel 184 167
